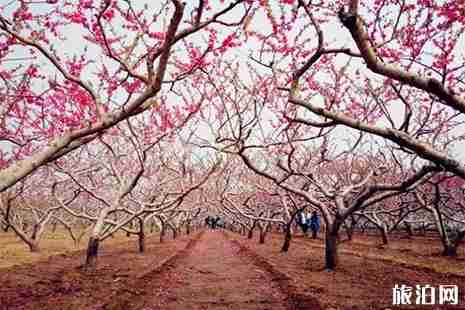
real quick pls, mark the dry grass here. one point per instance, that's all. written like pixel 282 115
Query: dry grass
pixel 15 252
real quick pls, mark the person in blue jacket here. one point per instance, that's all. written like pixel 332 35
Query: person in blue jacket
pixel 314 224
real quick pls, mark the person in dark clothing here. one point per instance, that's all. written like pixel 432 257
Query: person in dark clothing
pixel 314 224
pixel 216 222
pixel 302 222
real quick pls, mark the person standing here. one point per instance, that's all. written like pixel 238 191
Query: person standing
pixel 302 221
pixel 314 224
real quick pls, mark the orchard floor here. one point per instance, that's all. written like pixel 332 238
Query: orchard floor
pixel 223 270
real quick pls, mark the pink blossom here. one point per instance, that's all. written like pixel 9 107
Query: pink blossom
pixel 133 87
pixel 32 72
pixel 23 15
pixel 109 14
pixel 77 18
pixel 157 35
pixel 228 42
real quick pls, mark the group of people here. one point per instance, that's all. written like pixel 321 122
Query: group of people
pixel 213 222
pixel 306 222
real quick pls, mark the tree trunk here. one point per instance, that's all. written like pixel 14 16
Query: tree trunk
pixel 188 228
pixel 7 218
pixel 142 240
pixel 92 252
pixel 450 250
pixel 141 236
pixel 34 240
pixel 34 246
pixel 262 235
pixel 250 235
pixel 349 231
pixel 423 229
pixel 331 251
pixel 384 234
pixel 449 243
pixel 287 239
pixel 383 230
pixel 408 228
pixel 35 230
pixel 162 232
pixel 331 254
pixel 128 234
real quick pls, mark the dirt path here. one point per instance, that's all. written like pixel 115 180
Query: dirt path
pixel 214 274
pixel 220 270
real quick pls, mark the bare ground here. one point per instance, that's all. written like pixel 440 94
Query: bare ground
pixel 222 270
pixel 212 274
pixel 61 283
pixel 366 273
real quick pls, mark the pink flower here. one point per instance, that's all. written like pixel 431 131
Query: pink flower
pixel 77 18
pixel 86 4
pixel 228 42
pixel 32 72
pixel 5 74
pixel 133 87
pixel 157 35
pixel 109 14
pixel 22 15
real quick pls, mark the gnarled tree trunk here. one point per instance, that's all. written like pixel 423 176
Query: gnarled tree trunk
pixel 331 244
pixel 141 236
pixel 94 240
pixel 92 252
pixel 250 234
pixel 188 228
pixel 262 235
pixel 287 237
pixel 408 229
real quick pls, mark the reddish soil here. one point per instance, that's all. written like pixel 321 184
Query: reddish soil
pixel 212 274
pixel 365 275
pixel 223 270
pixel 62 283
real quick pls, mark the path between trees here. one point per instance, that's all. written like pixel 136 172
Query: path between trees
pixel 218 270
pixel 214 273
pixel 204 270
